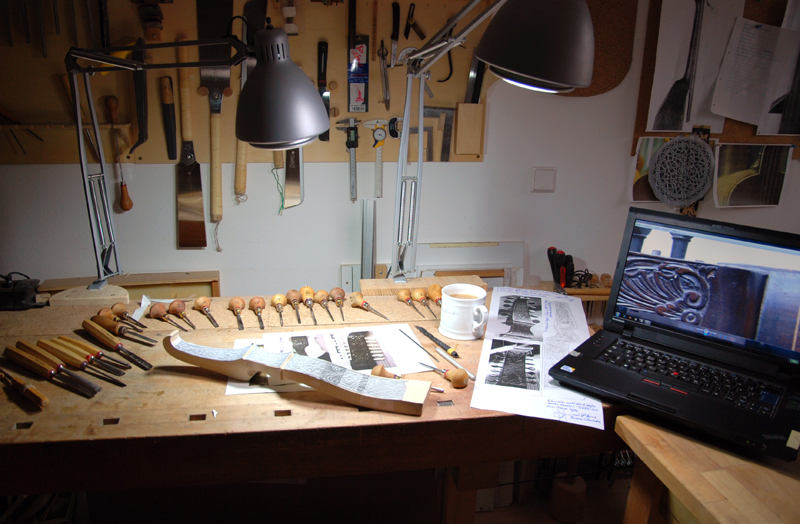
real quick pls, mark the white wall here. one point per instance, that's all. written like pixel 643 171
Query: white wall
pixel 44 229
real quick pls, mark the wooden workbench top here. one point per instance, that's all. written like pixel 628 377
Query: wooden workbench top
pixel 175 425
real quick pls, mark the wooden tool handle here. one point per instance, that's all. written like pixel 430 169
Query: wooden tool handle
pixel 403 295
pixel 61 352
pixel 177 307
pixel 28 362
pixel 337 293
pixel 435 292
pixel 29 392
pixel 37 352
pixel 236 304
pixel 185 92
pixel 120 309
pixel 125 202
pixel 167 97
pixel 321 296
pixel 101 334
pixel 106 312
pixel 457 377
pixel 419 294
pixel 240 175
pixel 107 324
pixel 216 168
pixel 293 296
pixel 79 346
pixel 201 303
pixel 357 300
pixel 112 104
pixel 157 310
pixel 278 300
pixel 380 371
pixel 257 303
pixel 306 293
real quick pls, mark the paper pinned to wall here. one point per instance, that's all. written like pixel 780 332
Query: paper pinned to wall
pixel 529 331
pixel 754 64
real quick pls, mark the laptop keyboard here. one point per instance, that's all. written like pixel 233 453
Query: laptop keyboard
pixel 683 376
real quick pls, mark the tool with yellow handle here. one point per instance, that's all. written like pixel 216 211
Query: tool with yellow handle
pixel 421 296
pixel 108 313
pixel 73 359
pixel 321 298
pixel 381 371
pixel 84 356
pixel 435 294
pixel 88 350
pixel 123 331
pixel 55 363
pixel 43 369
pixel 278 301
pixel 307 294
pixel 257 304
pixel 236 304
pixel 26 390
pixel 457 377
pixel 114 343
pixel 357 300
pixel 204 304
pixel 404 295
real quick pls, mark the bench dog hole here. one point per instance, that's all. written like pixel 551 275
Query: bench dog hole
pixel 193 418
pixel 283 412
pixel 110 421
pixel 445 403
pixel 23 425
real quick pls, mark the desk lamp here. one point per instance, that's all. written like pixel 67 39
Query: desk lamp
pixel 537 44
pixel 278 109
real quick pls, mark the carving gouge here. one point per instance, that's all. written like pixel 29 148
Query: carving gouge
pixel 159 311
pixel 114 343
pixel 106 312
pixel 457 378
pixel 321 298
pixel 92 351
pixel 119 329
pixel 257 304
pixel 121 310
pixel 337 294
pixel 278 301
pixel 307 294
pixel 73 359
pixel 84 355
pixel 357 300
pixel 27 391
pixel 42 368
pixel 178 308
pixel 236 305
pixel 438 342
pixel 56 364
pixel 204 304
pixel 293 296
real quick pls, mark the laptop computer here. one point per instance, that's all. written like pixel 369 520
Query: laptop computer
pixel 701 327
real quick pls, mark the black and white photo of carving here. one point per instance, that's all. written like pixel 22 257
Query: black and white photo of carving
pixel 514 365
pixel 523 315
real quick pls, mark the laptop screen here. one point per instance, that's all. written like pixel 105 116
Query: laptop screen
pixel 730 284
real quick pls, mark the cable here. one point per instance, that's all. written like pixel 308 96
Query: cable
pixel 280 188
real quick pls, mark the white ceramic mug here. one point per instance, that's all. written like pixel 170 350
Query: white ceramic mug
pixel 464 315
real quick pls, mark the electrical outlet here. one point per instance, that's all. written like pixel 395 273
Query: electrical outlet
pixel 543 179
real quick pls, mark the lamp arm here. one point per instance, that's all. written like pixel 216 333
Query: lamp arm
pixel 434 43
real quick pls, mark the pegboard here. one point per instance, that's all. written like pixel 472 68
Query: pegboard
pixel 35 94
pixel 733 131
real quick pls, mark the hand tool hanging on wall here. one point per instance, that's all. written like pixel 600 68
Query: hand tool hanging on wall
pixel 7 9
pixel 140 88
pixel 168 115
pixel 40 15
pixel 7 117
pixel 26 28
pixel 395 31
pixel 293 178
pixel 114 343
pixel 43 369
pixel 322 83
pixel 213 17
pixel 178 308
pixel 236 304
pixel 152 19
pixel 382 52
pixel 257 304
pixel 379 134
pixel 278 301
pixel 240 169
pixel 337 294
pixel 105 34
pixel 125 202
pixel 447 129
pixel 204 304
pixel 89 136
pixel 412 24
pixel 189 200
pixel 357 300
pixel 26 390
pixel 351 143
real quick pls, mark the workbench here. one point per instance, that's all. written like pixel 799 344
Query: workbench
pixel 174 426
pixel 694 481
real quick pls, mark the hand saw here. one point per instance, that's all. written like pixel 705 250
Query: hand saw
pixel 212 22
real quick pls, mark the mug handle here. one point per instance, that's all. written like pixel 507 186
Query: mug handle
pixel 480 317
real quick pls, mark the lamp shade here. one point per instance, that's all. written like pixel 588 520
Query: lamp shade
pixel 542 44
pixel 279 106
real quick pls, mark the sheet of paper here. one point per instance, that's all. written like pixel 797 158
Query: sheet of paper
pixel 771 121
pixel 356 348
pixel 674 51
pixel 754 64
pixel 528 332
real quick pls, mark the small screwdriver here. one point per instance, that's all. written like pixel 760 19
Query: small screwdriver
pixel 121 310
pixel 106 312
pixel 123 331
pixel 203 304
pixel 178 308
pixel 357 300
pixel 435 294
pixel 420 296
pixel 321 298
pixel 278 301
pixel 257 304
pixel 404 295
pixel 236 304
pixel 293 296
pixel 159 311
pixel 337 294
pixel 307 294
pixel 458 378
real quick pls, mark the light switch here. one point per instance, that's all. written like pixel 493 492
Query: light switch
pixel 543 179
